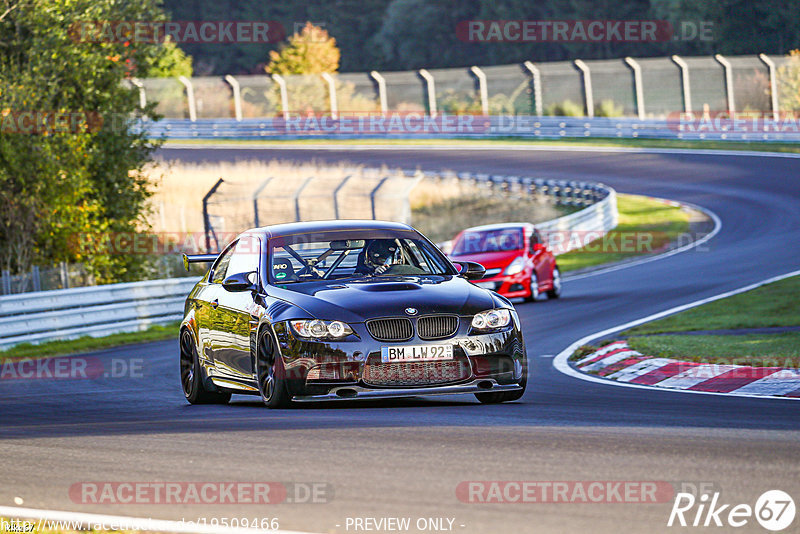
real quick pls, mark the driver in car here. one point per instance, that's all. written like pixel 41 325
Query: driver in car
pixel 378 257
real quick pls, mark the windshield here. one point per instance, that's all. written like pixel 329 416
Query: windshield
pixel 497 240
pixel 352 254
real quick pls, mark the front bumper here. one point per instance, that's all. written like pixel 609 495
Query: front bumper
pixel 339 370
pixel 358 392
pixel 510 286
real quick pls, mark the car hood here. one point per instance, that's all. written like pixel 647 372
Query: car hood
pixel 357 301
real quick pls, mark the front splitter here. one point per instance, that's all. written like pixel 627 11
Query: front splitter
pixel 358 392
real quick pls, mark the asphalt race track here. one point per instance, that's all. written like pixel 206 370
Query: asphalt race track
pixel 406 458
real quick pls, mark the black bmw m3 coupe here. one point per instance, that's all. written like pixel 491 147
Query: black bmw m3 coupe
pixel 335 310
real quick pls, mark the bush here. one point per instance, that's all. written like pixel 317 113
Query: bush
pixel 608 108
pixel 789 83
pixel 301 60
pixel 567 108
pixel 459 102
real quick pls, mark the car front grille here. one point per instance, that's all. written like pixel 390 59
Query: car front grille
pixel 437 326
pixel 402 329
pixel 396 329
pixel 431 373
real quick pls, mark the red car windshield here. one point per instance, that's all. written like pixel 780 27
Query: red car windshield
pixel 499 240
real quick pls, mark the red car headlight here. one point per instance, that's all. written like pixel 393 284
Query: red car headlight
pixel 515 267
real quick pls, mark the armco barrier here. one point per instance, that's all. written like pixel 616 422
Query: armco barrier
pixel 129 307
pixel 523 126
pixel 90 311
pixel 599 214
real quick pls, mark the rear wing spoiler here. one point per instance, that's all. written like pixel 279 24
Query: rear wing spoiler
pixel 197 258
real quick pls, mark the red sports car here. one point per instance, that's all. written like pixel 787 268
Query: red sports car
pixel 517 260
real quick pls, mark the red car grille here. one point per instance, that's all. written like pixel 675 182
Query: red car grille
pixel 377 373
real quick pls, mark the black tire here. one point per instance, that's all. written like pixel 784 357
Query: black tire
pixel 504 396
pixel 271 375
pixel 192 376
pixel 533 283
pixel 556 291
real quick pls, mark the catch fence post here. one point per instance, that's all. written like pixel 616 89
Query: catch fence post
pixel 588 97
pixel 206 219
pixel 237 96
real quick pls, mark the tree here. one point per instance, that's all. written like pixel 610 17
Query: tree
pixel 60 182
pixel 312 51
pixel 750 26
pixel 789 83
pixel 306 55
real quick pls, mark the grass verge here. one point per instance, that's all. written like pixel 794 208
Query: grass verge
pixel 646 225
pixel 773 305
pixel 85 344
pixel 567 142
pixel 770 305
pixel 764 350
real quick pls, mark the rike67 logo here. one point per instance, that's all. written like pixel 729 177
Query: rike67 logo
pixel 774 510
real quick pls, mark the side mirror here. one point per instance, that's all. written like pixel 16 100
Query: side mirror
pixel 471 270
pixel 241 282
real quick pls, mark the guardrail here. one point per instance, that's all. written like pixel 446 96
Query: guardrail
pixel 129 307
pixel 90 311
pixel 599 214
pixel 452 126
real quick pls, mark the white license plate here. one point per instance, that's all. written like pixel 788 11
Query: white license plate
pixel 416 353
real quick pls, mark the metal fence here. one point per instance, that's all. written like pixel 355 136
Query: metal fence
pixel 62 276
pixel 597 203
pixel 72 275
pixel 643 88
pixel 231 207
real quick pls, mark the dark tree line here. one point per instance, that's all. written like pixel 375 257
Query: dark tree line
pixel 408 34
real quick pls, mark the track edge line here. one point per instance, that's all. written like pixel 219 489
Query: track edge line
pixel 561 361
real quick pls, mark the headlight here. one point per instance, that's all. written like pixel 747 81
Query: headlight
pixel 316 329
pixel 515 266
pixel 491 320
